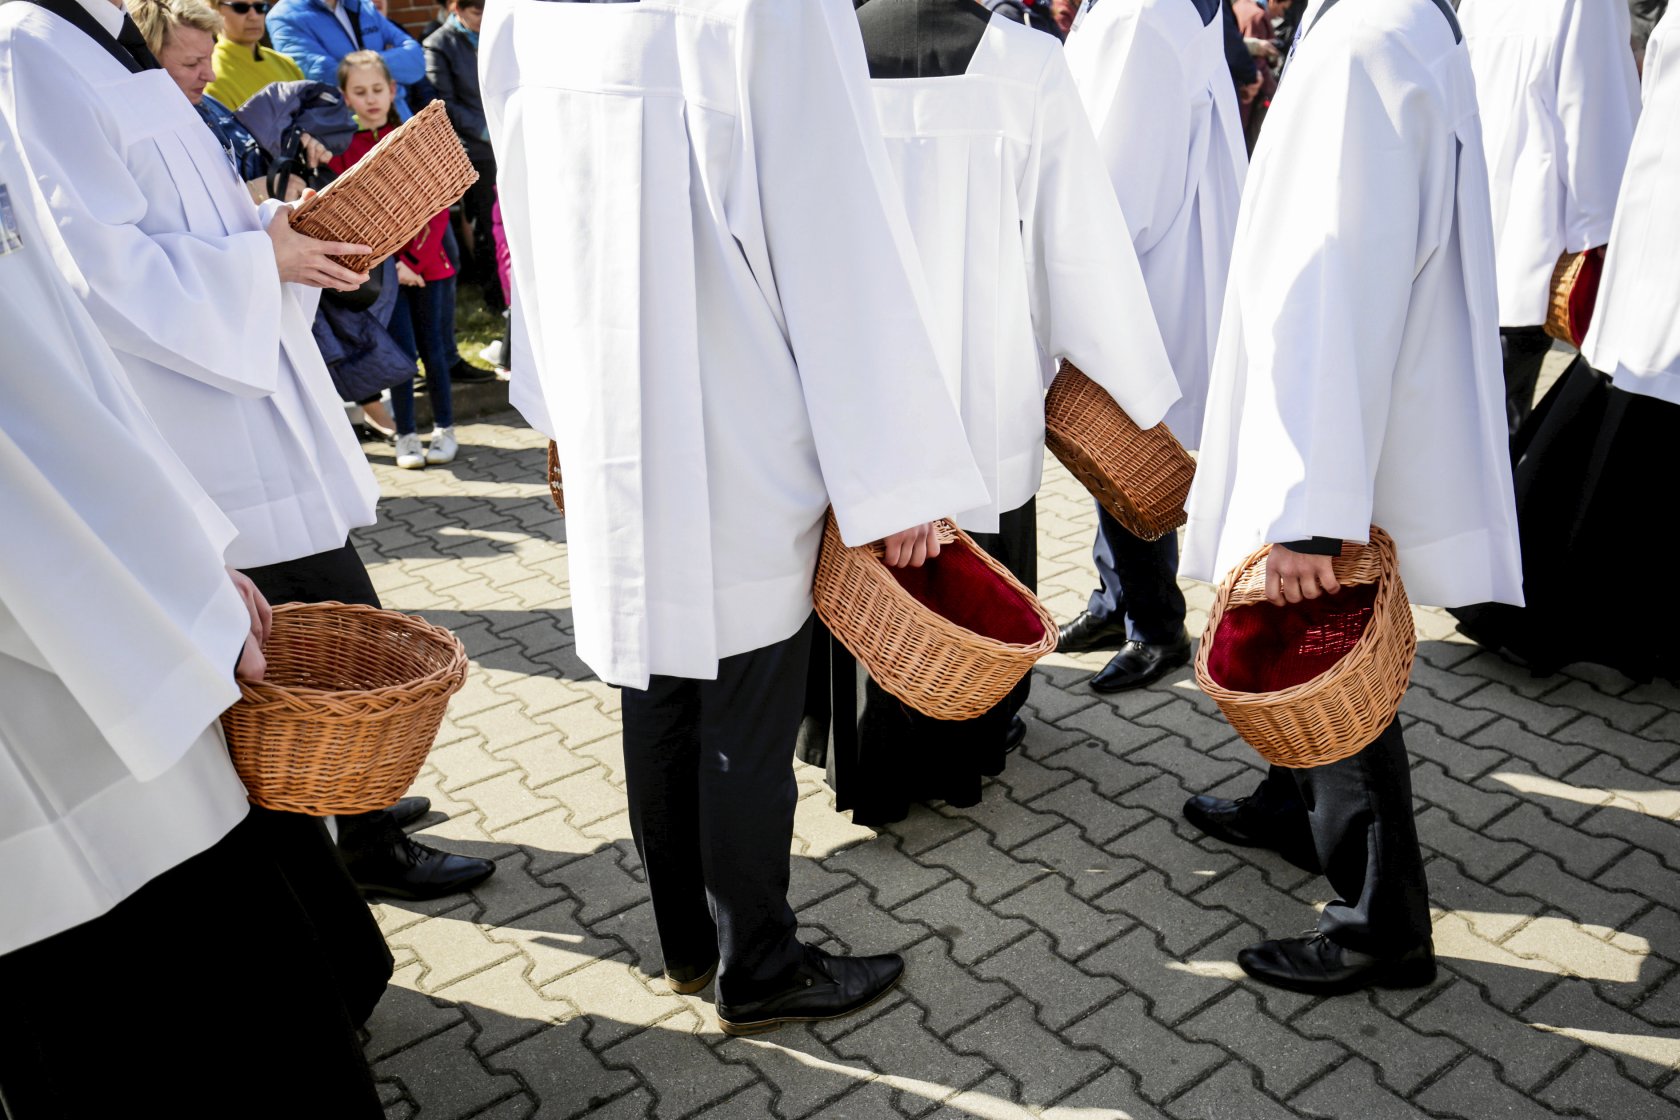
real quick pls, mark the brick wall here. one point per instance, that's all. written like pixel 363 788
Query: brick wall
pixel 412 15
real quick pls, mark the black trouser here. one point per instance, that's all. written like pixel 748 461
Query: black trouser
pixel 149 1009
pixel 360 956
pixel 476 205
pixel 1138 581
pixel 709 769
pixel 1525 352
pixel 1360 814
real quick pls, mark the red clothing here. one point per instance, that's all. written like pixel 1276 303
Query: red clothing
pixel 425 254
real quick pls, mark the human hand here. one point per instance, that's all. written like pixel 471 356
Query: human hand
pixel 301 259
pixel 252 665
pixel 1246 94
pixel 1063 12
pixel 912 547
pixel 314 152
pixel 1293 576
pixel 409 278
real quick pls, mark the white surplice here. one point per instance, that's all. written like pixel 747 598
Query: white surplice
pixel 1026 256
pixel 1358 377
pixel 118 627
pixel 1154 80
pixel 718 314
pixel 170 256
pixel 1559 96
pixel 1635 335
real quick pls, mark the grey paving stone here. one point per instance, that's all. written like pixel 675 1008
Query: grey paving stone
pixel 1473 806
pixel 1472 1090
pixel 859 924
pixel 1112 1096
pixel 1644 1055
pixel 599 880
pixel 1595 1086
pixel 567 1077
pixel 1075 927
pixel 443 1076
pixel 801 1071
pixel 1230 1093
pixel 1095 815
pixel 1475 850
pixel 989 871
pixel 1060 991
pixel 1547 755
pixel 949 994
pixel 1646 755
pixel 1352 1092
pixel 1541 877
pixel 971 929
pixel 1579 853
pixel 900 1045
pixel 1039 1061
pixel 675 1062
pixel 1525 1056
pixel 872 1100
pixel 1405 1056
pixel 1008 822
pixel 1163 1061
pixel 893 876
pixel 1086 869
pixel 1188 866
pixel 1283 1058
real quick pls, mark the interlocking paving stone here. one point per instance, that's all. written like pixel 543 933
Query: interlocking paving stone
pixel 1071 941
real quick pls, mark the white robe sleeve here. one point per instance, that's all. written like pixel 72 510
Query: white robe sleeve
pixel 1598 105
pixel 1325 289
pixel 1130 79
pixel 888 437
pixel 200 305
pixel 1089 303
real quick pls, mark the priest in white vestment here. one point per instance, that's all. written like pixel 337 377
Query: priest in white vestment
pixel 1153 77
pixel 1605 433
pixel 721 323
pixel 1357 381
pixel 207 301
pixel 1027 258
pixel 121 816
pixel 1559 94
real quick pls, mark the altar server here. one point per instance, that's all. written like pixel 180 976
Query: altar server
pixel 720 321
pixel 1027 258
pixel 121 817
pixel 1559 95
pixel 1153 77
pixel 1606 432
pixel 1357 381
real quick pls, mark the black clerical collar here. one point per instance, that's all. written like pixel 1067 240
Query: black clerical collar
pixel 129 46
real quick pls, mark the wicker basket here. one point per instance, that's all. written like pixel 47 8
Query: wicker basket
pixel 913 628
pixel 1574 294
pixel 350 706
pixel 1140 477
pixel 555 485
pixel 1313 682
pixel 392 192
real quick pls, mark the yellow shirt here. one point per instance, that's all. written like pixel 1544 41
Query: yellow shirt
pixel 240 73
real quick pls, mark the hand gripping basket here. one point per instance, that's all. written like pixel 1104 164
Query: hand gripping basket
pixel 1574 294
pixel 556 486
pixel 1313 682
pixel 1140 477
pixel 950 638
pixel 393 191
pixel 349 708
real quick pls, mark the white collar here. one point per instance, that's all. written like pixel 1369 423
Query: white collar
pixel 109 15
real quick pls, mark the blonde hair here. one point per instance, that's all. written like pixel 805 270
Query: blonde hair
pixel 157 18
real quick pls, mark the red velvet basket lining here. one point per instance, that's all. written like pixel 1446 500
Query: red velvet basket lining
pixel 1583 297
pixel 1264 648
pixel 957 585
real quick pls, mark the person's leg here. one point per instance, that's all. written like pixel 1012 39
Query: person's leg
pixel 1525 352
pixel 662 779
pixel 1156 641
pixel 1102 624
pixel 401 329
pixel 476 205
pixel 749 718
pixel 1360 810
pixel 1273 816
pixel 434 319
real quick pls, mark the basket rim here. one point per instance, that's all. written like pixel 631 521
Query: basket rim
pixel 1362 649
pixel 263 692
pixel 879 575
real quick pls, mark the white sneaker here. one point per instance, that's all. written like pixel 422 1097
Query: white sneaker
pixel 494 354
pixel 410 456
pixel 442 448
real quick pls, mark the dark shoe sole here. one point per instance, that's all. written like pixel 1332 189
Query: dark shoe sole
pixel 1411 974
pixel 765 1026
pixel 1149 678
pixel 690 987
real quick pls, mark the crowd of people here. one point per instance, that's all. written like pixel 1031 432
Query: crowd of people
pixel 764 261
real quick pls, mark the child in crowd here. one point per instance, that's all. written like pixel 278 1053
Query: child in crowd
pixel 425 317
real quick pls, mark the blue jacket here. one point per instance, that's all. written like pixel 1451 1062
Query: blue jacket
pixel 309 32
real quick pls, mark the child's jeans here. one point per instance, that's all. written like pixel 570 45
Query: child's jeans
pixel 422 322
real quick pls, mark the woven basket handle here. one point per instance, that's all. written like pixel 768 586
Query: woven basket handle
pixel 1358 564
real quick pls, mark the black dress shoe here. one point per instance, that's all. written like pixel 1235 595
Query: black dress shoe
pixel 687 979
pixel 1238 822
pixel 465 373
pixel 1088 632
pixel 402 867
pixel 1318 966
pixel 1139 663
pixel 1015 736
pixel 825 987
pixel 408 810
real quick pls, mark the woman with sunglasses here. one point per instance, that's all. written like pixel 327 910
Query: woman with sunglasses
pixel 243 65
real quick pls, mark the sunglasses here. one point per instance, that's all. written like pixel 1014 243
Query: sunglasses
pixel 242 8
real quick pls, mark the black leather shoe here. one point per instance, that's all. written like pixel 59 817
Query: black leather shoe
pixel 825 987
pixel 1015 736
pixel 1087 633
pixel 687 979
pixel 406 869
pixel 408 810
pixel 465 373
pixel 1237 822
pixel 1318 966
pixel 1139 663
